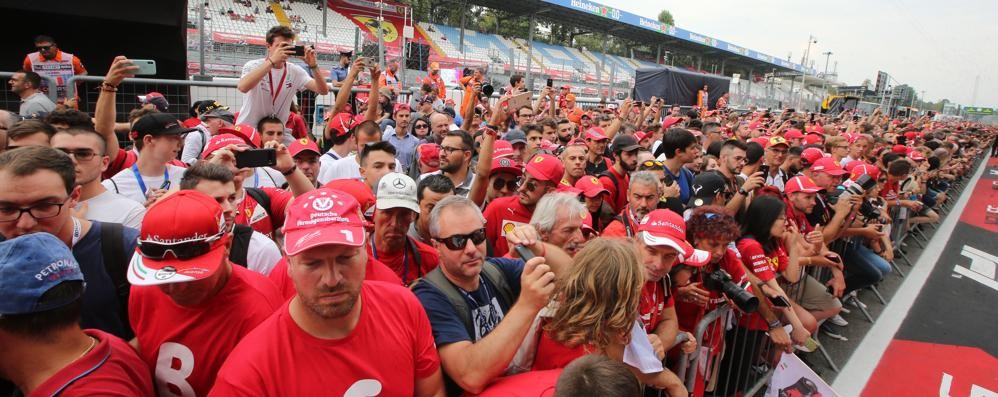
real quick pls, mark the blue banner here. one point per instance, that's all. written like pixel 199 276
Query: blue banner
pixel 682 34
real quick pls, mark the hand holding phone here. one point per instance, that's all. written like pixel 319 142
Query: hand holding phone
pixel 253 158
pixel 779 301
pixel 764 169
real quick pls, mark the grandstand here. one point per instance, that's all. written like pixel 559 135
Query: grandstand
pixel 235 39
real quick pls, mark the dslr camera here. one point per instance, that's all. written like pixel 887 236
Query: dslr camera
pixel 858 187
pixel 720 280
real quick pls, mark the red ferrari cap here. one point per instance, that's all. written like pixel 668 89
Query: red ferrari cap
pixel 812 139
pixel 220 141
pixel 590 186
pixel 865 169
pixel 828 166
pixel 503 164
pixel 502 149
pixel 801 184
pixel 812 154
pixel 429 154
pixel 245 131
pixel 324 216
pixel 793 133
pixel 178 220
pixel 341 123
pixel 596 134
pixel 664 227
pixel 301 145
pixel 545 167
pixel 900 149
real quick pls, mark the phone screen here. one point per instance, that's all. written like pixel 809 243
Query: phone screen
pixel 764 169
pixel 550 82
pixel 256 158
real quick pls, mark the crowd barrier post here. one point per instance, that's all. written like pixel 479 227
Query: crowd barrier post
pixel 689 363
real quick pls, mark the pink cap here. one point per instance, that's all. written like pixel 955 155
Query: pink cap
pixel 548 145
pixel 664 227
pixel 324 216
pixel 801 184
pixel 828 166
pixel 245 131
pixel 590 186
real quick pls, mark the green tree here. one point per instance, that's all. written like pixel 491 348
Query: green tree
pixel 665 17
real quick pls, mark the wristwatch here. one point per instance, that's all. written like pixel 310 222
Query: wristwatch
pixel 742 192
pixel 775 324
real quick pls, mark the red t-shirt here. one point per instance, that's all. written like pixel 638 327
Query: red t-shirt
pixel 501 216
pixel 553 355
pixel 185 346
pixel 252 213
pixel 390 347
pixel 376 271
pixel 617 200
pixel 408 265
pixel 890 190
pixel 527 384
pixel 616 228
pixel 764 265
pixel 655 298
pixel 111 368
pixel 192 122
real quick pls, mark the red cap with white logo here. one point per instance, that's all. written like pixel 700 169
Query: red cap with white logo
pixel 667 228
pixel 324 216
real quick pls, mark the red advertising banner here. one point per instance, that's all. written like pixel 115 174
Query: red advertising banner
pixel 365 14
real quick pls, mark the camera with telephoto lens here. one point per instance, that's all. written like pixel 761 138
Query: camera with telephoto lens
pixel 720 280
pixel 858 187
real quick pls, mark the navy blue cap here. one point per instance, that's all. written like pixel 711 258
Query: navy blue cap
pixel 30 265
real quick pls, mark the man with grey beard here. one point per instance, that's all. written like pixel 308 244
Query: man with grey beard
pixel 558 220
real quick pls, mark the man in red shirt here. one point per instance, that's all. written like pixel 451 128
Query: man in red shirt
pixel 661 244
pixel 642 198
pixel 617 178
pixel 385 349
pixel 541 176
pixel 395 210
pixel 202 306
pixel 45 353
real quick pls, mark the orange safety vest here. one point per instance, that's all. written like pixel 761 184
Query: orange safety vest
pixel 60 68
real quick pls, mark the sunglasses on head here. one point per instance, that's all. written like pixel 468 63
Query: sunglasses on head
pixel 652 163
pixel 459 241
pixel 510 184
pixel 182 250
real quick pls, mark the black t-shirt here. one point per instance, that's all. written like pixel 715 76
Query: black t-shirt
pixel 822 212
pixel 100 299
pixel 595 169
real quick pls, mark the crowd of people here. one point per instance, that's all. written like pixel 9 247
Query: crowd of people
pixel 440 246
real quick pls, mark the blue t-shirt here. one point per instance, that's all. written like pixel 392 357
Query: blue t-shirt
pixel 485 303
pixel 101 307
pixel 685 181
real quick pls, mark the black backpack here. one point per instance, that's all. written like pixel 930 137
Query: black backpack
pixel 116 264
pixel 490 271
pixel 241 236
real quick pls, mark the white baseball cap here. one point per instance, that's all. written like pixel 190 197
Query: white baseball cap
pixel 396 190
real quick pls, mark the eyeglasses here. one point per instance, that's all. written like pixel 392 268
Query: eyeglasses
pixel 531 184
pixel 421 126
pixel 459 241
pixel 80 154
pixel 447 150
pixel 511 184
pixel 182 250
pixel 37 211
pixel 44 47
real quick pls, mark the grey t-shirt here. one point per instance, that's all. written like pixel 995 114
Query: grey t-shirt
pixel 36 105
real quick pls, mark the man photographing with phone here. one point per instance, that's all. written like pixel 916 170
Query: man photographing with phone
pixel 270 84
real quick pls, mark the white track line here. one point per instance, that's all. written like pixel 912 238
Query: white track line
pixel 859 368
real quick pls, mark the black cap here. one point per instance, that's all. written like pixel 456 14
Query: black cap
pixel 346 53
pixel 159 124
pixel 705 188
pixel 624 143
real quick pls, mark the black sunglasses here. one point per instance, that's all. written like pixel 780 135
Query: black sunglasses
pixel 43 47
pixel 511 184
pixel 182 250
pixel 459 241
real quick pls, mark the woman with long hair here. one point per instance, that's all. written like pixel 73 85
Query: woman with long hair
pixel 598 308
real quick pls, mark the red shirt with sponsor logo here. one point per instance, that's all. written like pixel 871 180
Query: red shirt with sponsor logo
pixel 376 271
pixel 390 347
pixel 690 313
pixel 501 216
pixel 111 368
pixel 250 212
pixel 185 346
pixel 765 265
pixel 655 298
pixel 412 262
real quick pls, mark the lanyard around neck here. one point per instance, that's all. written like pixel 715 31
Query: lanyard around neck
pixel 142 183
pixel 280 86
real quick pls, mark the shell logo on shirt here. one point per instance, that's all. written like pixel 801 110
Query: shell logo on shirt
pixel 508 226
pixel 258 213
pixel 364 388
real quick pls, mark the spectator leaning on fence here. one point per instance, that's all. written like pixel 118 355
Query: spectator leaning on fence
pixel 270 84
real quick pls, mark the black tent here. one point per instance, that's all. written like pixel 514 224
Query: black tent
pixel 677 86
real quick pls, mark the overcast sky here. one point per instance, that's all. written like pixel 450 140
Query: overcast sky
pixel 935 46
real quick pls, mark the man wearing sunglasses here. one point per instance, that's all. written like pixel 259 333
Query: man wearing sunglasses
pixel 372 335
pixel 87 150
pixel 39 192
pixel 504 179
pixel 481 307
pixel 541 176
pixel 189 306
pixel 52 62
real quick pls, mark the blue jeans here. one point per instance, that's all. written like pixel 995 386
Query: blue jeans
pixel 863 266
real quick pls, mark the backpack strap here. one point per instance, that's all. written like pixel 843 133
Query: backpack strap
pixel 241 236
pixel 116 264
pixel 616 184
pixel 261 197
pixel 115 185
pixel 490 271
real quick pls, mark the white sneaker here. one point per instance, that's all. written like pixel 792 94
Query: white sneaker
pixel 845 310
pixel 838 320
pixel 856 302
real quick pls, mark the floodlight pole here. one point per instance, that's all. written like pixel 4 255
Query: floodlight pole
pixel 201 8
pixel 530 52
